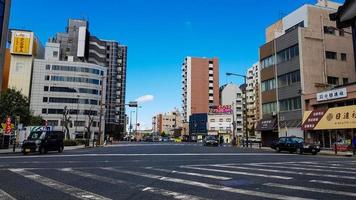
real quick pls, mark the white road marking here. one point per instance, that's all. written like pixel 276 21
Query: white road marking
pixel 238 172
pixel 5 196
pixel 153 190
pixel 303 168
pixel 191 174
pixel 333 183
pixel 73 191
pixel 308 189
pixel 320 166
pixel 208 186
pixel 289 172
pixel 144 154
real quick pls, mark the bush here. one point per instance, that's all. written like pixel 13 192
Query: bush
pixel 70 143
pixel 81 141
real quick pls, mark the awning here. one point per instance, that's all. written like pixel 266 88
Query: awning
pixel 333 118
pixel 266 125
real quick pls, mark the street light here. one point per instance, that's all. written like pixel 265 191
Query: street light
pixel 245 118
pixel 130 128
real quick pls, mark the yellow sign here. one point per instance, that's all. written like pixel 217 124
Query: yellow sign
pixel 338 118
pixel 21 43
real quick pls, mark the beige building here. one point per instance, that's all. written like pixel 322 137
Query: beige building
pixel 304 54
pixel 170 123
pixel 25 47
pixel 253 100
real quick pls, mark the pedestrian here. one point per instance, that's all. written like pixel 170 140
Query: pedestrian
pixel 221 140
pixel 354 144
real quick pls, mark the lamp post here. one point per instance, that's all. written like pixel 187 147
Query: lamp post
pixel 130 128
pixel 245 107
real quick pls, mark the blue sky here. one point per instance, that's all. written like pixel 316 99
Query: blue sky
pixel 161 33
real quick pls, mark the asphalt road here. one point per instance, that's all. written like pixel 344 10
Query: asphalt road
pixel 175 171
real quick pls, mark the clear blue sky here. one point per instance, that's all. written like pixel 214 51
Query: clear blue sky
pixel 160 33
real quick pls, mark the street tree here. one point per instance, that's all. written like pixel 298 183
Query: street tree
pixel 66 121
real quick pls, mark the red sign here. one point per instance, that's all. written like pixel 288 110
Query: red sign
pixel 221 109
pixel 8 126
pixel 313 119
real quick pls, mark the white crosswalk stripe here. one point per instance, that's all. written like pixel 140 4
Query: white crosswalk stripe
pixel 73 191
pixel 309 189
pixel 238 172
pixel 5 196
pixel 158 191
pixel 208 186
pixel 319 166
pixel 192 174
pixel 288 172
pixel 332 183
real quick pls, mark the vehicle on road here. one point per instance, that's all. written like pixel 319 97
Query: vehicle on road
pixel 210 140
pixel 44 141
pixel 295 144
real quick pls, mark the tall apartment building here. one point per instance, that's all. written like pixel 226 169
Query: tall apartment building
pixel 78 44
pixel 231 94
pixel 78 86
pixel 4 24
pixel 253 100
pixel 303 54
pixel 25 47
pixel 200 85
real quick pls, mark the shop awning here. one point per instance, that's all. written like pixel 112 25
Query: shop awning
pixel 332 118
pixel 266 125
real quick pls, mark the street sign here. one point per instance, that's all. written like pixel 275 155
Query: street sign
pixel 133 104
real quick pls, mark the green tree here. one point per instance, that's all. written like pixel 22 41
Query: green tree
pixel 163 134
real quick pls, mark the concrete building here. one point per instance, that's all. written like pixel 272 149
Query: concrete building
pixel 78 44
pixel 25 47
pixel 303 55
pixel 200 85
pixel 221 125
pixel 231 94
pixel 253 100
pixel 79 86
pixel 170 123
pixel 4 24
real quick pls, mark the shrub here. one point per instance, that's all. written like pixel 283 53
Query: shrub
pixel 70 143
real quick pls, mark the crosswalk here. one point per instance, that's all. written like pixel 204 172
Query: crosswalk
pixel 300 180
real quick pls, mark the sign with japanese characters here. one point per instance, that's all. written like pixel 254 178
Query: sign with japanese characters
pixel 331 94
pixel 334 118
pixel 221 109
pixel 21 43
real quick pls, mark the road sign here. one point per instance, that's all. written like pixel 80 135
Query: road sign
pixel 133 104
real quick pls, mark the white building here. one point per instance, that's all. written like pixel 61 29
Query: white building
pixel 77 85
pixel 220 125
pixel 231 94
pixel 253 100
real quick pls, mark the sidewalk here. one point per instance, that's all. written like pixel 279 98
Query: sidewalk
pixel 18 150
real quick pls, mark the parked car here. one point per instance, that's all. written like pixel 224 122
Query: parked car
pixel 44 141
pixel 210 140
pixel 295 144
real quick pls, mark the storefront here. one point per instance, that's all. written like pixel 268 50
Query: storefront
pixel 269 131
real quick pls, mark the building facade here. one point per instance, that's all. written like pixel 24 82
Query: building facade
pixel 170 123
pixel 221 125
pixel 78 44
pixel 200 85
pixel 4 24
pixel 253 100
pixel 304 54
pixel 25 47
pixel 66 85
pixel 231 94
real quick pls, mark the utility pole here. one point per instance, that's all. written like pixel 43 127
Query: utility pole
pixel 101 110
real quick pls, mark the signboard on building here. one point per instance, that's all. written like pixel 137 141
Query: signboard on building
pixel 221 109
pixel 21 43
pixel 331 94
pixel 266 125
pixel 312 119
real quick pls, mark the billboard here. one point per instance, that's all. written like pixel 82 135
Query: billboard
pixel 21 43
pixel 221 109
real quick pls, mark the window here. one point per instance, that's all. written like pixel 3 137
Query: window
pixel 267 62
pixel 268 85
pixel 79 123
pixel 269 107
pixel 329 30
pixel 290 104
pixel 55 54
pixel 45 88
pixel 75 79
pixel 212 120
pixel 48 67
pixel 47 78
pixel 288 54
pixel 343 56
pixel 75 69
pixel 45 99
pixel 212 128
pixel 331 55
pixel 44 111
pixel 221 120
pixel 289 79
pixel 345 81
pixel 228 120
pixel 52 122
pixel 333 80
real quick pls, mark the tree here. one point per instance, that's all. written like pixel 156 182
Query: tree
pixel 163 134
pixel 89 125
pixel 66 121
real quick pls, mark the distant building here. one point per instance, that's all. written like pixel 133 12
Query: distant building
pixel 200 85
pixel 4 24
pixel 57 84
pixel 78 44
pixel 221 125
pixel 170 123
pixel 25 47
pixel 231 94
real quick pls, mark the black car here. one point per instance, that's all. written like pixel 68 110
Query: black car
pixel 210 140
pixel 295 144
pixel 43 141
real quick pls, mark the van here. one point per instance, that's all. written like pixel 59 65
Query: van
pixel 44 141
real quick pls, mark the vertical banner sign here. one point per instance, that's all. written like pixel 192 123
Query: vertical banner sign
pixel 21 43
pixel 8 126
